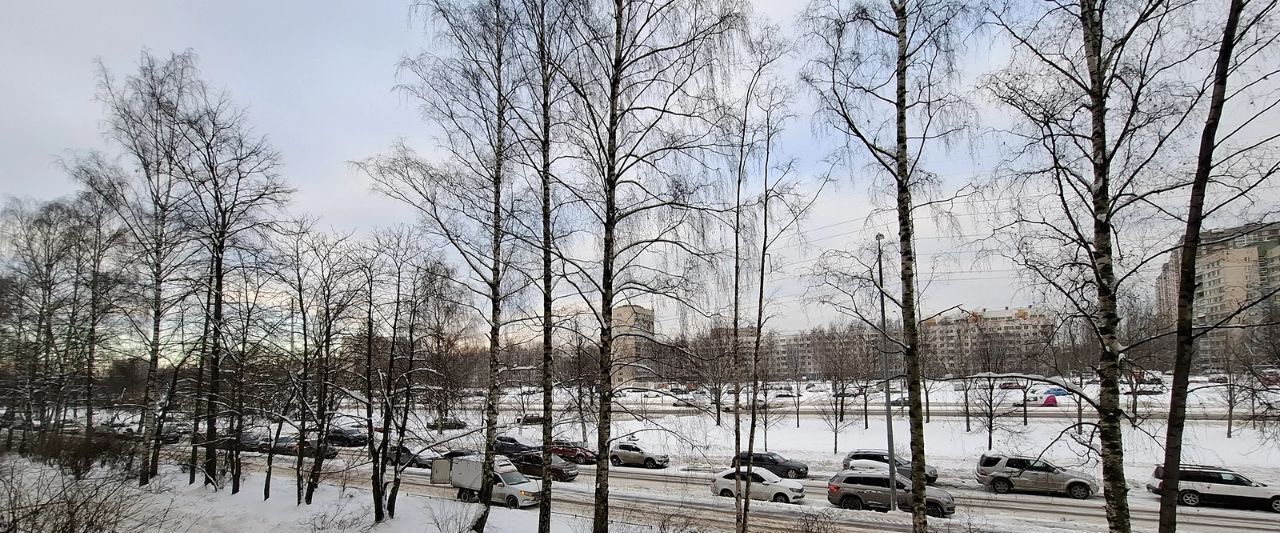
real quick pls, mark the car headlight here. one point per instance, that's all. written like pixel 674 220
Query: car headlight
pixel 526 493
pixel 798 490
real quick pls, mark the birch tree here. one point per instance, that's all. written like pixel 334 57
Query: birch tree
pixel 883 75
pixel 149 196
pixel 640 106
pixel 470 91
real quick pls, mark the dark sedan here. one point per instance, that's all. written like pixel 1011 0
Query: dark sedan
pixel 775 463
pixel 404 456
pixel 530 464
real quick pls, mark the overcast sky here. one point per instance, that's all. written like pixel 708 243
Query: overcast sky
pixel 318 80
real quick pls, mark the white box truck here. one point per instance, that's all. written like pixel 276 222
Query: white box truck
pixel 510 487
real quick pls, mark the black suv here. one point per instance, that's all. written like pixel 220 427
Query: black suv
pixel 509 446
pixel 346 437
pixel 775 463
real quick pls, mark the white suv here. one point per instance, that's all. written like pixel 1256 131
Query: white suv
pixel 1198 484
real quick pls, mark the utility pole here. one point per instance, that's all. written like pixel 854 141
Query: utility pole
pixel 884 361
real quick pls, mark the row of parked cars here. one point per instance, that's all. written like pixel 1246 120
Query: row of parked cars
pixel 864 482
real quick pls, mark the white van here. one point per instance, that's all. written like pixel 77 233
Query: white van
pixel 510 487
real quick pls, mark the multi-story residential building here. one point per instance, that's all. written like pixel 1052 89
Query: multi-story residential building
pixel 1235 267
pixel 1001 340
pixel 633 347
pixel 833 353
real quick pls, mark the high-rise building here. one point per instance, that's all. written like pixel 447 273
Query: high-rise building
pixel 1235 267
pixel 632 344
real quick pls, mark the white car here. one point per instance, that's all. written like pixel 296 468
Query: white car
pixel 765 485
pixel 1208 485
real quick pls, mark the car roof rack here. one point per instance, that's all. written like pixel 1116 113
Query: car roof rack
pixel 1202 467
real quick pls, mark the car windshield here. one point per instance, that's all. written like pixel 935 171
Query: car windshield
pixel 513 478
pixel 776 457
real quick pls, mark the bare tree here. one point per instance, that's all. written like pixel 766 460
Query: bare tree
pixel 1104 169
pixel 144 120
pixel 639 110
pixel 882 73
pixel 232 175
pixel 544 38
pixel 466 202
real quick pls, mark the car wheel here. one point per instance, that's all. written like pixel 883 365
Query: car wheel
pixel 1189 498
pixel 792 474
pixel 1275 504
pixel 649 463
pixel 615 461
pixel 934 510
pixel 781 498
pixel 1079 491
pixel 726 493
pixel 512 502
pixel 1001 485
pixel 852 503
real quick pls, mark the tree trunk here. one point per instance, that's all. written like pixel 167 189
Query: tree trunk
pixel 213 404
pixel 906 243
pixel 377 467
pixel 1184 350
pixel 1110 415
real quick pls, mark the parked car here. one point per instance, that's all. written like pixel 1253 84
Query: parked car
pixel 765 485
pixel 172 433
pixel 249 441
pixel 746 405
pixel 447 423
pixel 1209 485
pixel 289 445
pixel 1145 390
pixel 1009 385
pixel 404 456
pixel 630 453
pixel 1004 473
pixel 574 452
pixel 119 429
pixel 530 464
pixel 509 445
pixel 864 489
pixel 458 453
pixel 1038 401
pixel 774 463
pixel 857 459
pixel 531 420
pixel 900 402
pixel 1056 391
pixel 695 402
pixel 346 437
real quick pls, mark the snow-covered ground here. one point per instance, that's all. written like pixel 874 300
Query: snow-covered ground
pixel 194 508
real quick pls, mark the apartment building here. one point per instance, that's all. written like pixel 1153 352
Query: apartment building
pixel 987 340
pixel 1234 268
pixel 633 347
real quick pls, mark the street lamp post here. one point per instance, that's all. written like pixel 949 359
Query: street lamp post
pixel 884 362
